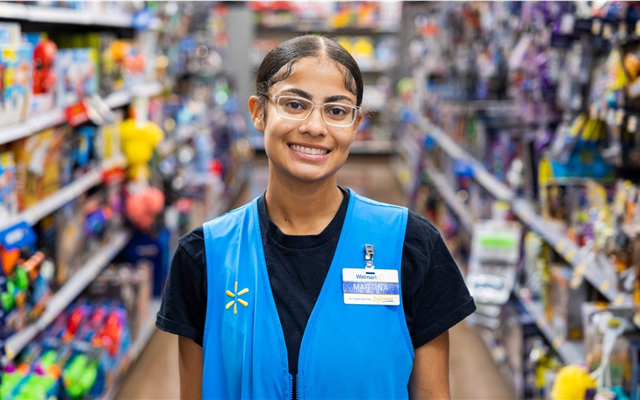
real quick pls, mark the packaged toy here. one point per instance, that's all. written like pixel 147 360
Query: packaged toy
pixel 77 76
pixel 9 33
pixel 16 67
pixel 494 255
pixel 37 166
pixel 8 195
pixel 44 76
pixel 82 225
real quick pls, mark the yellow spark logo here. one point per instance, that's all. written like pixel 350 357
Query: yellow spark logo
pixel 238 299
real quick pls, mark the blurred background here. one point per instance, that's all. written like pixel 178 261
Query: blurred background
pixel 512 126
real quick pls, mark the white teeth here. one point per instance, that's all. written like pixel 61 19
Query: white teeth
pixel 308 150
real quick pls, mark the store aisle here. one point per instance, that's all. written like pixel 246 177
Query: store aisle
pixel 473 374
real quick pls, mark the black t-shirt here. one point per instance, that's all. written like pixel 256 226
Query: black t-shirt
pixel 434 295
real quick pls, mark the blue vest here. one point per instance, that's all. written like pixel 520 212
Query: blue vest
pixel 348 351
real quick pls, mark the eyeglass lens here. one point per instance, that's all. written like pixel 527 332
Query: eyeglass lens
pixel 299 109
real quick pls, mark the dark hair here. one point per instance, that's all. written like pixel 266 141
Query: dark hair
pixel 292 50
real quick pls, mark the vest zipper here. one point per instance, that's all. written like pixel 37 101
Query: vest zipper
pixel 293 387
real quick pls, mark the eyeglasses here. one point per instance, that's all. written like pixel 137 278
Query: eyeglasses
pixel 298 109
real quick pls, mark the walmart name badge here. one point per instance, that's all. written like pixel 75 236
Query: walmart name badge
pixel 371 286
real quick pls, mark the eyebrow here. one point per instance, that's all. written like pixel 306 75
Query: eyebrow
pixel 306 95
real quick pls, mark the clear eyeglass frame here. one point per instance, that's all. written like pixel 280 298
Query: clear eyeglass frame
pixel 276 98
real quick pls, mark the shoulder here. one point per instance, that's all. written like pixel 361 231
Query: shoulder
pixel 190 251
pixel 375 213
pixel 195 237
pixel 377 204
pixel 421 239
pixel 227 223
pixel 419 228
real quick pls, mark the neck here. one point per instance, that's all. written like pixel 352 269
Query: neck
pixel 305 210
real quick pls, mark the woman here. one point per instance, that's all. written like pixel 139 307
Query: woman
pixel 312 291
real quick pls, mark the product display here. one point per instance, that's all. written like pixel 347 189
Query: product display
pixel 368 30
pixel 112 146
pixel 525 111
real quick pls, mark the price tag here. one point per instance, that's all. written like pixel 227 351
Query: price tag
pixel 638 28
pixel 607 31
pixel 567 23
pixel 10 353
pixel 571 254
pixel 576 281
pixel 604 286
pixel 561 245
pixel 619 116
pixel 619 300
pixel 47 318
pixel 622 30
pixel 541 322
pixel 77 114
pixel 636 319
pixel 596 27
pixel 557 341
pixel 581 268
pixel 611 116
pixel 632 123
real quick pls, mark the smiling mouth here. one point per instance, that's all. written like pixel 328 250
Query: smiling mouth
pixel 309 150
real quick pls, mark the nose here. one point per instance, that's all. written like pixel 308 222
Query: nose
pixel 314 124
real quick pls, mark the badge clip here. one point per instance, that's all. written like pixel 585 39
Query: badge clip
pixel 368 256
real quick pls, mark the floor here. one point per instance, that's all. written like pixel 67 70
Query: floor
pixel 472 372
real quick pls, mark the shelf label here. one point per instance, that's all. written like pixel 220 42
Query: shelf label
pixel 581 268
pixel 10 353
pixel 557 341
pixel 576 281
pixel 76 114
pixel 561 245
pixel 604 286
pixel 570 256
pixel 619 300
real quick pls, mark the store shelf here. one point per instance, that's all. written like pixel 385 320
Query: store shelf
pixel 34 124
pixel 67 293
pixel 52 15
pixel 449 196
pixel 184 134
pixel 585 264
pixel 571 352
pixel 497 352
pixel 136 349
pixel 320 26
pixel 45 207
pixel 383 147
pixel 56 117
pixel 499 356
pixel 124 97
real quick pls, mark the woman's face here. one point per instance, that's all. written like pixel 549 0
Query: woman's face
pixel 308 150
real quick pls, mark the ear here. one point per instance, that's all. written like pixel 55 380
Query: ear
pixel 256 110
